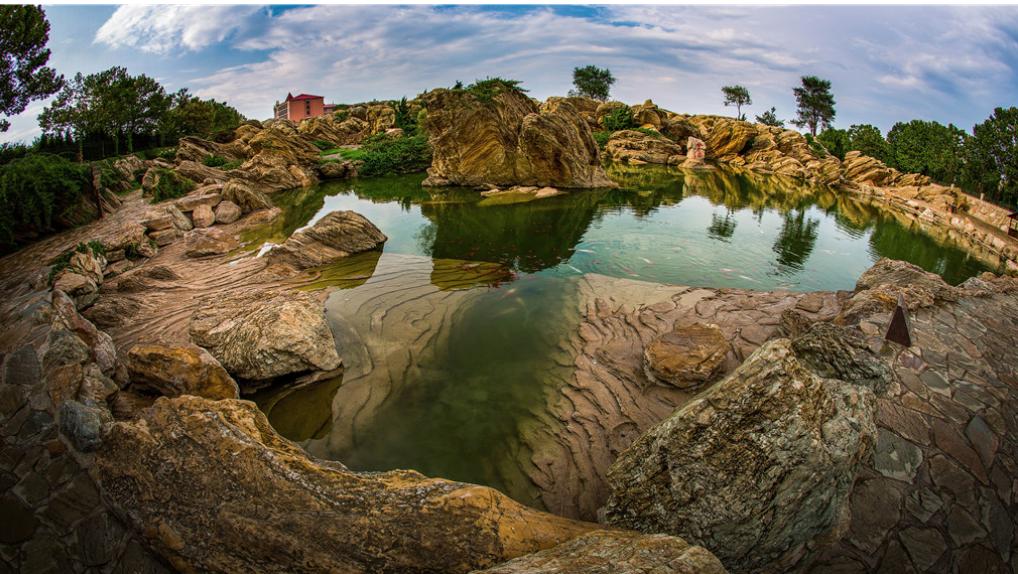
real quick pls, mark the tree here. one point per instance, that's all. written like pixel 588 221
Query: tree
pixel 737 96
pixel 835 141
pixel 592 82
pixel 869 141
pixel 770 118
pixel 991 155
pixel 24 77
pixel 404 119
pixel 140 103
pixel 929 148
pixel 816 104
pixel 191 115
pixel 70 112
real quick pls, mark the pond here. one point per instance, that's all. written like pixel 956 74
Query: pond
pixel 452 338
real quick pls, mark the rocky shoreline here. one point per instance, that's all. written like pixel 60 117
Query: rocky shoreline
pixel 786 435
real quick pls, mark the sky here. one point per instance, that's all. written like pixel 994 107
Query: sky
pixel 885 63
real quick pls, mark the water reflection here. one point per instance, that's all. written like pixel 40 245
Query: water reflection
pixel 796 239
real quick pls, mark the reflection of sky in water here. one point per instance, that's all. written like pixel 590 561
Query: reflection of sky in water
pixel 654 234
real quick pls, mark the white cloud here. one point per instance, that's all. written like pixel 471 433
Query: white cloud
pixel 164 29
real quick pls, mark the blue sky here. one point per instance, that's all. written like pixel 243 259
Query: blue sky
pixel 886 64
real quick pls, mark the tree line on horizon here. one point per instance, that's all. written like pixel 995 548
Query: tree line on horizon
pixel 983 162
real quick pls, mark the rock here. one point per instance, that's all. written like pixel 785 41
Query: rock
pixel 615 552
pixel 122 236
pixel 760 465
pixel 210 242
pixel 197 150
pixel 243 195
pixel 227 212
pixel 165 237
pixel 725 137
pixel 22 367
pixel 199 172
pixel 202 216
pixel 326 128
pixel 276 507
pixel 509 140
pixel 647 114
pixel 337 169
pixel 338 234
pixel 687 356
pixel 679 131
pixel 207 196
pixel 75 284
pixel 259 336
pixel 283 159
pixel 625 146
pixel 516 194
pixel 84 425
pixel 179 370
pixel 181 222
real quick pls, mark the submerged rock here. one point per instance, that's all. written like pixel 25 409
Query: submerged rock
pixel 508 139
pixel 338 234
pixel 760 465
pixel 258 336
pixel 272 507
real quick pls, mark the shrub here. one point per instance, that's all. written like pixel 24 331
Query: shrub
pixel 64 259
pixel 485 90
pixel 322 144
pixel 620 118
pixel 602 138
pixel 650 132
pixel 35 190
pixel 816 146
pixel 170 185
pixel 340 115
pixel 231 165
pixel 214 161
pixel 384 155
pixel 169 154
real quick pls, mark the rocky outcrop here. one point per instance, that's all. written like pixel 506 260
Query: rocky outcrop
pixel 241 194
pixel 636 148
pixel 258 337
pixel 275 507
pixel 338 234
pixel 616 552
pixel 688 356
pixel 862 169
pixel 172 371
pixel 509 140
pixel 761 464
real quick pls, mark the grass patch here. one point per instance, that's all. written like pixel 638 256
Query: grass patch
pixel 214 161
pixel 602 138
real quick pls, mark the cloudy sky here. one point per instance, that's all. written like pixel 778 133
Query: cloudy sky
pixel 886 64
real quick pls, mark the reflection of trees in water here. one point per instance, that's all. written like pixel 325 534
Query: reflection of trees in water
pixel 893 240
pixel 796 240
pixel 721 227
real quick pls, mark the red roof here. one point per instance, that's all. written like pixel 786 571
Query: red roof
pixel 290 98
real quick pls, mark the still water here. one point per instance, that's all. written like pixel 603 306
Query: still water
pixel 478 294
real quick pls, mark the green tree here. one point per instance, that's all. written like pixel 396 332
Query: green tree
pixel 770 118
pixel 70 112
pixel 592 82
pixel 835 141
pixel 190 115
pixel 404 119
pixel 737 96
pixel 992 157
pixel 141 102
pixel 869 141
pixel 24 77
pixel 816 104
pixel 929 148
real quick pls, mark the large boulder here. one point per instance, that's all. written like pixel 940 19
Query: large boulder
pixel 214 488
pixel 179 370
pixel 241 194
pixel 760 466
pixel 616 552
pixel 725 137
pixel 507 139
pixel 687 356
pixel 636 147
pixel 338 234
pixel 258 336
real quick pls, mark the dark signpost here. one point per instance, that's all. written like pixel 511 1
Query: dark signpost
pixel 899 331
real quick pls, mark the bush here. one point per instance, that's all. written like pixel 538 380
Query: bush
pixel 214 161
pixel 35 190
pixel 620 118
pixel 385 155
pixel 816 146
pixel 169 154
pixel 231 165
pixel 170 185
pixel 485 90
pixel 650 132
pixel 61 262
pixel 322 144
pixel 602 138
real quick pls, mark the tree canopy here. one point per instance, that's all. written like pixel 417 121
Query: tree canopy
pixel 927 147
pixel 737 96
pixel 992 157
pixel 592 82
pixel 869 141
pixel 770 118
pixel 24 77
pixel 835 141
pixel 815 104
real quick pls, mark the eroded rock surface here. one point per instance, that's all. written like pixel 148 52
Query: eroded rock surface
pixel 688 356
pixel 338 234
pixel 179 370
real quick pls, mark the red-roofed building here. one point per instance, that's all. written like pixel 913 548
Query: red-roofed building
pixel 296 108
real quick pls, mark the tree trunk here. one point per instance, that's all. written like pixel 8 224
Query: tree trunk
pixel 130 142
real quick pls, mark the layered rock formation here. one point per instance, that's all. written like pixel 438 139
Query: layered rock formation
pixel 338 234
pixel 509 140
pixel 635 148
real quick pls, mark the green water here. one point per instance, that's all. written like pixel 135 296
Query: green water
pixel 480 389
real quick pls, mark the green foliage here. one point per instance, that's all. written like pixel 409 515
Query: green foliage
pixel 592 82
pixel 12 151
pixel 170 185
pixel 24 77
pixel 322 144
pixel 816 104
pixel 384 155
pixel 169 154
pixel 737 96
pixel 485 90
pixel 602 138
pixel 340 115
pixel 217 161
pixel 231 165
pixel 351 153
pixel 192 116
pixel 929 148
pixel 620 118
pixel 835 141
pixel 992 157
pixel 869 141
pixel 64 259
pixel 770 118
pixel 404 119
pixel 650 132
pixel 35 190
pixel 816 146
